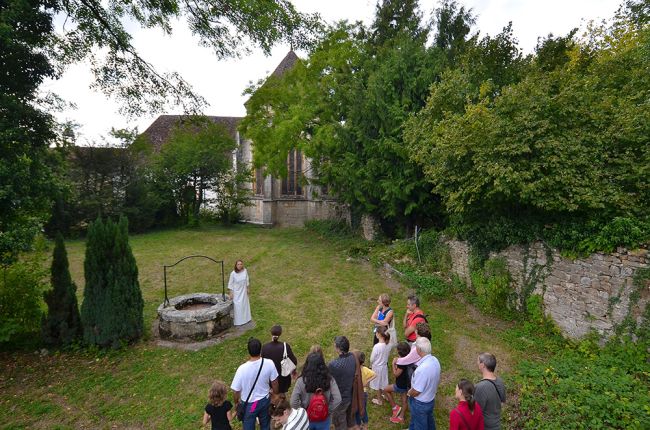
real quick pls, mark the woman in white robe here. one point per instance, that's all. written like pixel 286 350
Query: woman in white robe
pixel 238 286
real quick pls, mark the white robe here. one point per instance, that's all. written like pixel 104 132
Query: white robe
pixel 238 283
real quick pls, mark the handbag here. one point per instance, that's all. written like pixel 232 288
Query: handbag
pixel 392 342
pixel 241 407
pixel 286 365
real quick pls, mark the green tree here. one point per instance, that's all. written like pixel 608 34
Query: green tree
pixel 96 32
pixel 453 24
pixel 25 130
pixel 62 324
pixel 111 311
pixel 395 18
pixel 108 180
pixel 559 155
pixel 345 107
pixel 195 162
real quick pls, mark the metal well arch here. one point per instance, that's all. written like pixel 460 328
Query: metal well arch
pixel 220 262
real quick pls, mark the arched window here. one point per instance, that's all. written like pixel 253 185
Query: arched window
pixel 292 184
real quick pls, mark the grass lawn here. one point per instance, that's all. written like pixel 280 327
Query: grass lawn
pixel 300 280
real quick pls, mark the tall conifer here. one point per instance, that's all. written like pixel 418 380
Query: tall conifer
pixel 112 308
pixel 62 325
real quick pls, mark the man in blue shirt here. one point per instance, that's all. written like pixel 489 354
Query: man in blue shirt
pixel 424 385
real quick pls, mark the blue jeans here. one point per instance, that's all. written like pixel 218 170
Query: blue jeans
pixel 320 425
pixel 421 415
pixel 261 411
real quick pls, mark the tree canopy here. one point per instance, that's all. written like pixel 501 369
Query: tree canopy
pixel 196 160
pixel 345 107
pixel 559 150
pixel 25 176
pixel 430 124
pixel 98 32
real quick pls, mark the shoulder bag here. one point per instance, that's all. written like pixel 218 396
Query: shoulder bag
pixel 286 365
pixel 241 407
pixel 392 342
pixel 463 418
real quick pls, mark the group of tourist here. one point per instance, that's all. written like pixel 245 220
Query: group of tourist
pixel 335 394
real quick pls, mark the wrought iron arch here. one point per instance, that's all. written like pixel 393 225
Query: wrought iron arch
pixel 223 279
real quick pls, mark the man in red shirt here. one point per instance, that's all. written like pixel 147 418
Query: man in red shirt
pixel 412 316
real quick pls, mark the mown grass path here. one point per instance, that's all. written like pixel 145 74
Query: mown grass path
pixel 298 279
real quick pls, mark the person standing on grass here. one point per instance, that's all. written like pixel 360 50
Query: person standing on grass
pixel 468 414
pixel 239 288
pixel 401 385
pixel 412 316
pixel 490 391
pixel 275 351
pixel 252 383
pixel 344 369
pixel 367 375
pixel 218 411
pixel 424 385
pixel 379 363
pixel 316 377
pixel 382 316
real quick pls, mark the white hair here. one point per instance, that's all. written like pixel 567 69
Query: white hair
pixel 423 345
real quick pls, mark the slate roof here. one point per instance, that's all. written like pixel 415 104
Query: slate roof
pixel 287 63
pixel 160 130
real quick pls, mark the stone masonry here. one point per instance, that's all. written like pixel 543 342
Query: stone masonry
pixel 580 295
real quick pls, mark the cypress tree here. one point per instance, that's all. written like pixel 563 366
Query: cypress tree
pixel 62 325
pixel 112 308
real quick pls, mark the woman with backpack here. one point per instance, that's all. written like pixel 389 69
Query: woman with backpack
pixel 316 391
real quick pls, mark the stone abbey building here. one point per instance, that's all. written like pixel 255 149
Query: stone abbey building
pixel 274 201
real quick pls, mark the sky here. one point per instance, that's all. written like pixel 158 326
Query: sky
pixel 222 82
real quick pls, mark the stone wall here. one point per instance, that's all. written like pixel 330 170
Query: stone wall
pixel 581 295
pixel 369 227
pixel 293 212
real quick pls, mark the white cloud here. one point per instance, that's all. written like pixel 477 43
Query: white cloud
pixel 221 83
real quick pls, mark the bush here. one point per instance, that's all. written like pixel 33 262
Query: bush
pixel 434 252
pixel 586 387
pixel 491 282
pixel 582 238
pixel 426 284
pixel 21 288
pixel 111 312
pixel 62 325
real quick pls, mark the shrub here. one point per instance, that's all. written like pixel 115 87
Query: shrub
pixel 111 312
pixel 428 285
pixel 491 282
pixel 21 288
pixel 434 252
pixel 62 325
pixel 586 387
pixel 582 238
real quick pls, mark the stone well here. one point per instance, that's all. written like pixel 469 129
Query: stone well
pixel 194 316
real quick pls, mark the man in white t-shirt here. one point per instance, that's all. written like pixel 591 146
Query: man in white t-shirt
pixel 257 406
pixel 424 385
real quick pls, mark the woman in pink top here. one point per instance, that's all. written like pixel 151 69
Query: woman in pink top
pixel 468 414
